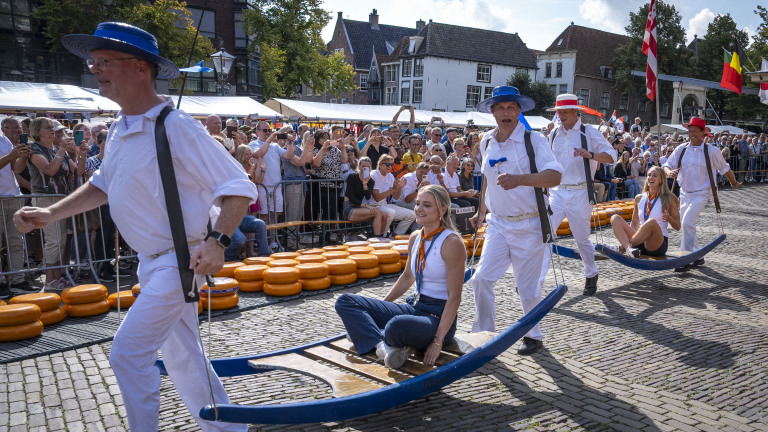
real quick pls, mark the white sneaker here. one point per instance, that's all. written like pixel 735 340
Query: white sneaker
pixel 381 350
pixel 396 357
pixel 633 252
pixel 274 246
pixel 612 247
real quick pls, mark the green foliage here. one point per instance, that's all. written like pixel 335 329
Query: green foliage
pixel 708 65
pixel 272 62
pixel 539 91
pixel 759 47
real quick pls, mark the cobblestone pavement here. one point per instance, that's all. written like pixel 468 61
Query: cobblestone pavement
pixel 651 351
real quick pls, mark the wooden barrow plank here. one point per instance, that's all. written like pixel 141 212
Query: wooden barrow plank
pixel 413 366
pixel 463 343
pixel 356 364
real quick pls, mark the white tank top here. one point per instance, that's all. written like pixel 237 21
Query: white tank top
pixel 435 282
pixel 656 212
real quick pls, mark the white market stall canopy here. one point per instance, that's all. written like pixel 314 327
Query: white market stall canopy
pixel 224 106
pixel 24 96
pixel 672 128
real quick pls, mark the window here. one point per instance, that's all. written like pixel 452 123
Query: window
pixel 548 70
pixel 344 100
pixel 405 92
pixel 664 109
pixel 484 73
pixel 417 89
pixel 605 100
pixel 559 70
pixel 624 103
pixel 391 96
pixel 641 107
pixel 390 73
pixel 554 88
pixel 407 68
pixel 333 100
pixel 563 88
pixel 241 39
pixel 418 67
pixel 363 81
pixel 488 93
pixel 207 25
pixel 339 50
pixel 606 71
pixel 584 97
pixel 473 96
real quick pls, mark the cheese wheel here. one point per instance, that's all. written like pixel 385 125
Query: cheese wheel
pixel 282 289
pixel 284 255
pixel 220 303
pixel 283 263
pixel 361 243
pixel 3 303
pixel 257 260
pixel 228 270
pixel 136 290
pixel 316 283
pixel 378 240
pixel 21 331
pixel 390 268
pixel 365 261
pixel 563 231
pixel 88 309
pixel 17 314
pixel 54 316
pixel 359 250
pixel 335 248
pixel 470 242
pixel 224 286
pixel 304 259
pixel 315 251
pixel 368 273
pixel 402 237
pixel 251 286
pixel 401 242
pixel 281 275
pixel 404 263
pixel 382 246
pixel 249 273
pixel 387 256
pixel 126 300
pixel 331 255
pixel 343 279
pixel 402 249
pixel 199 307
pixel 45 300
pixel 341 266
pixel 84 294
pixel 312 270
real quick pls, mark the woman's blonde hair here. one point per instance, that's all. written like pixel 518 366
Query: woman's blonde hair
pixel 360 162
pixel 36 125
pixel 240 154
pixel 668 199
pixel 443 201
pixel 383 160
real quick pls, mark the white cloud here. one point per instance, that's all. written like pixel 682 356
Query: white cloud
pixel 699 23
pixel 608 15
pixel 750 33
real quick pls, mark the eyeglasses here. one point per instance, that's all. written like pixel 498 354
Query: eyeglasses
pixel 104 63
pixel 389 165
pixel 437 134
pixel 265 130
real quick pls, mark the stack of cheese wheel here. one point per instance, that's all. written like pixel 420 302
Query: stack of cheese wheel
pixel 222 296
pixel 332 255
pixel 564 229
pixel 315 251
pixel 228 271
pixel 314 276
pixel 470 243
pixel 250 278
pixel 373 240
pixel 342 271
pixel 284 255
pixel 136 290
pixel 305 259
pixel 126 299
pixel 381 246
pixel 86 300
pixel 356 243
pixel 389 260
pixel 403 251
pixel 3 303
pixel 627 207
pixel 19 322
pixel 52 311
pixel 257 261
pixel 283 263
pixel 367 265
pixel 359 250
pixel 282 281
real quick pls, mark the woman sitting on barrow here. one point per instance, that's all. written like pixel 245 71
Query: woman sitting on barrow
pixel 655 209
pixel 428 319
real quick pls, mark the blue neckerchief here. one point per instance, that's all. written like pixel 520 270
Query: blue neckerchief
pixel 420 273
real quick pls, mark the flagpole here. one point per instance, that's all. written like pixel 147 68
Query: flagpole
pixel 658 111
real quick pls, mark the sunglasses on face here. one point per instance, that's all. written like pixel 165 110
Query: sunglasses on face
pixel 389 165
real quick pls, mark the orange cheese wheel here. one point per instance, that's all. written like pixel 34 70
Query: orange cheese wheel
pixel 402 250
pixel 282 289
pixel 88 309
pixel 3 303
pixel 404 262
pixel 316 283
pixel 304 259
pixel 199 307
pixel 312 270
pixel 126 300
pixel 257 260
pixel 315 251
pixel 361 243
pixel 17 314
pixel 220 303
pixel 224 286
pixel 249 273
pixel 368 273
pixel 136 290
pixel 283 263
pixel 478 251
pixel 335 248
pixel 365 261
pixel 331 255
pixel 21 331
pixel 54 316
pixel 382 246
pixel 402 237
pixel 281 275
pixel 84 294
pixel 341 266
pixel 378 240
pixel 251 286
pixel 387 256
pixel 229 269
pixel 359 250
pixel 284 255
pixel 343 279
pixel 390 268
pixel 470 242
pixel 45 300
pixel 400 242
pixel 563 231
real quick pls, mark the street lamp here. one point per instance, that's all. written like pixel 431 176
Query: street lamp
pixel 222 62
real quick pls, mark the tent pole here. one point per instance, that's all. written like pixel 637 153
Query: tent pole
pixel 714 110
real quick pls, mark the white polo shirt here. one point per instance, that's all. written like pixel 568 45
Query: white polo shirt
pixel 382 184
pixel 451 182
pixel 8 184
pixel 411 184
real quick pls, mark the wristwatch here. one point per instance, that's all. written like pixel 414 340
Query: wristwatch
pixel 222 239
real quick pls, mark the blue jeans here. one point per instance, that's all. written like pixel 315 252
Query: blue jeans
pixel 611 186
pixel 633 188
pixel 250 224
pixel 403 324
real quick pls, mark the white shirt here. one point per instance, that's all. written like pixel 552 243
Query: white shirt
pixel 382 184
pixel 568 140
pixel 272 158
pixel 656 213
pixel 451 182
pixel 432 178
pixel 434 284
pixel 411 184
pixel 130 177
pixel 8 184
pixel 519 200
pixel 693 171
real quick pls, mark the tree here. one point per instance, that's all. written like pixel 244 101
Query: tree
pixel 759 47
pixel 539 91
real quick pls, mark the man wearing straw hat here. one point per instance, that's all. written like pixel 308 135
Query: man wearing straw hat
pixel 578 147
pixel 126 63
pixel 514 232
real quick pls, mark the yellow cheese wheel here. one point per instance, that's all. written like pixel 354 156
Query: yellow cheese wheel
pixel 55 316
pixel 249 273
pixel 281 275
pixel 382 246
pixel 404 262
pixel 282 289
pixel 368 273
pixel 45 300
pixel 136 290
pixel 126 300
pixel 365 261
pixel 335 248
pixel 379 240
pixel 88 309
pixel 252 286
pixel 257 260
pixel 402 237
pixel 470 242
pixel 283 263
pixel 361 243
pixel 341 266
pixel 390 268
pixel 21 331
pixel 304 259
pixel 284 255
pixel 220 303
pixel 314 251
pixel 312 270
pixel 316 283
pixel 343 279
pixel 402 250
pixel 400 242
pixel 84 294
pixel 228 270
pixel 199 307
pixel 563 231
pixel 359 250
pixel 331 255
pixel 387 256
pixel 3 303
pixel 16 314
pixel 224 286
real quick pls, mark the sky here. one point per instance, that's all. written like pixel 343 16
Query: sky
pixel 539 22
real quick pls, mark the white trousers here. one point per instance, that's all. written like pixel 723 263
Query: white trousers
pixel 574 204
pixel 691 204
pixel 517 243
pixel 404 216
pixel 160 319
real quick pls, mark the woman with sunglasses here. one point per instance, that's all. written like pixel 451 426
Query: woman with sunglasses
pixel 359 188
pixel 326 165
pixel 378 145
pixel 466 175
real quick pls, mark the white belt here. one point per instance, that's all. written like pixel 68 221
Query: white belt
pixel 173 249
pixel 519 217
pixel 576 186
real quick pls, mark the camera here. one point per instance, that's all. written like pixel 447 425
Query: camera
pixel 282 136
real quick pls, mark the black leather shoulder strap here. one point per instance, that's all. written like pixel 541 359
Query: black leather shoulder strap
pixel 712 184
pixel 587 168
pixel 546 230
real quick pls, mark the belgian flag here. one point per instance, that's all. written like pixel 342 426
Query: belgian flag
pixel 731 79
